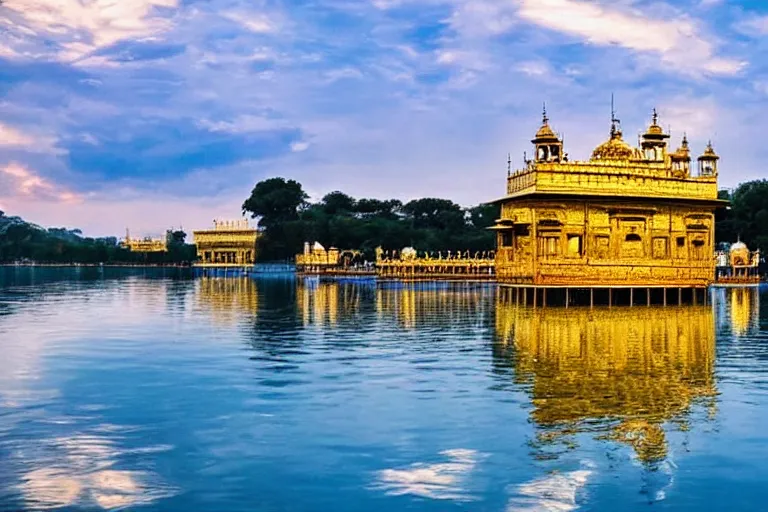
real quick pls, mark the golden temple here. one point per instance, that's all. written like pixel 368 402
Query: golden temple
pixel 628 217
pixel 617 373
pixel 228 244
pixel 145 245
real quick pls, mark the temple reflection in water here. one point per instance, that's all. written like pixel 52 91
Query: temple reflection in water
pixel 620 373
pixel 738 309
pixel 415 305
pixel 228 300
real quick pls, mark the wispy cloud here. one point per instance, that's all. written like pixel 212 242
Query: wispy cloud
pixel 82 27
pixel 677 41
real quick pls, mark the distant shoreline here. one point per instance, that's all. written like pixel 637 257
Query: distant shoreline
pixel 95 265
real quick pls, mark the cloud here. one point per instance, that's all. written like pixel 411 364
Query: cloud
pixel 258 23
pixel 82 27
pixel 677 41
pixel 533 68
pixel 753 25
pixel 19 181
pixel 10 136
pixel 299 146
pixel 697 117
pixel 440 481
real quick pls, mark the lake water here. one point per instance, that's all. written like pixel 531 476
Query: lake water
pixel 150 390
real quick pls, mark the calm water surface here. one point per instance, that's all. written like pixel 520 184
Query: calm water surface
pixel 153 391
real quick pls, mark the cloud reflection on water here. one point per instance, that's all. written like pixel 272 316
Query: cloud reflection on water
pixel 79 471
pixel 440 481
pixel 553 493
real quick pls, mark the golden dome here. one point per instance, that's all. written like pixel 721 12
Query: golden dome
pixel 616 149
pixel 654 130
pixel 709 153
pixel 545 132
pixel 683 152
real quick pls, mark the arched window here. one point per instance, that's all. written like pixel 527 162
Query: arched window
pixel 633 237
pixel 541 155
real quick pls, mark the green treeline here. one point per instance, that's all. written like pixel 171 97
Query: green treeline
pixel 23 241
pixel 747 218
pixel 338 220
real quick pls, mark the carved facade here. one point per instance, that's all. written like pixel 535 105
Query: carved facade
pixel 228 244
pixel 627 217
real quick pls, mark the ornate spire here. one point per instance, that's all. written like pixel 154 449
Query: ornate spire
pixel 544 118
pixel 615 123
pixel 655 116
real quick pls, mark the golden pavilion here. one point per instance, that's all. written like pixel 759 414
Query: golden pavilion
pixel 228 244
pixel 738 265
pixel 145 245
pixel 633 219
pixel 316 259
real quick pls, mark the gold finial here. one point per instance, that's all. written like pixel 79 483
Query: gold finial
pixel 615 129
pixel 509 163
pixel 544 118
pixel 685 140
pixel 655 116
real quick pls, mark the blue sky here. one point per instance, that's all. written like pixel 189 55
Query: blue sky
pixel 159 113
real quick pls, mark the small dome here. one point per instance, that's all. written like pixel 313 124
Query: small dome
pixel 739 246
pixel 709 153
pixel 545 132
pixel 616 149
pixel 654 130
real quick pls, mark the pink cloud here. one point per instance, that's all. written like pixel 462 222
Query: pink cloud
pixel 18 181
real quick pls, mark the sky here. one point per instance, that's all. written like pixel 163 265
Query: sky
pixel 151 114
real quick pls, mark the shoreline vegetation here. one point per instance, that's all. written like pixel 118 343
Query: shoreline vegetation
pixel 286 219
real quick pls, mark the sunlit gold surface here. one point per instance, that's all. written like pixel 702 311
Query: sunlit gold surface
pixel 228 300
pixel 228 244
pixel 627 217
pixel 408 265
pixel 620 373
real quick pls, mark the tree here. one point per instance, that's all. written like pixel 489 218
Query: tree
pixel 276 201
pixel 747 217
pixel 338 203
